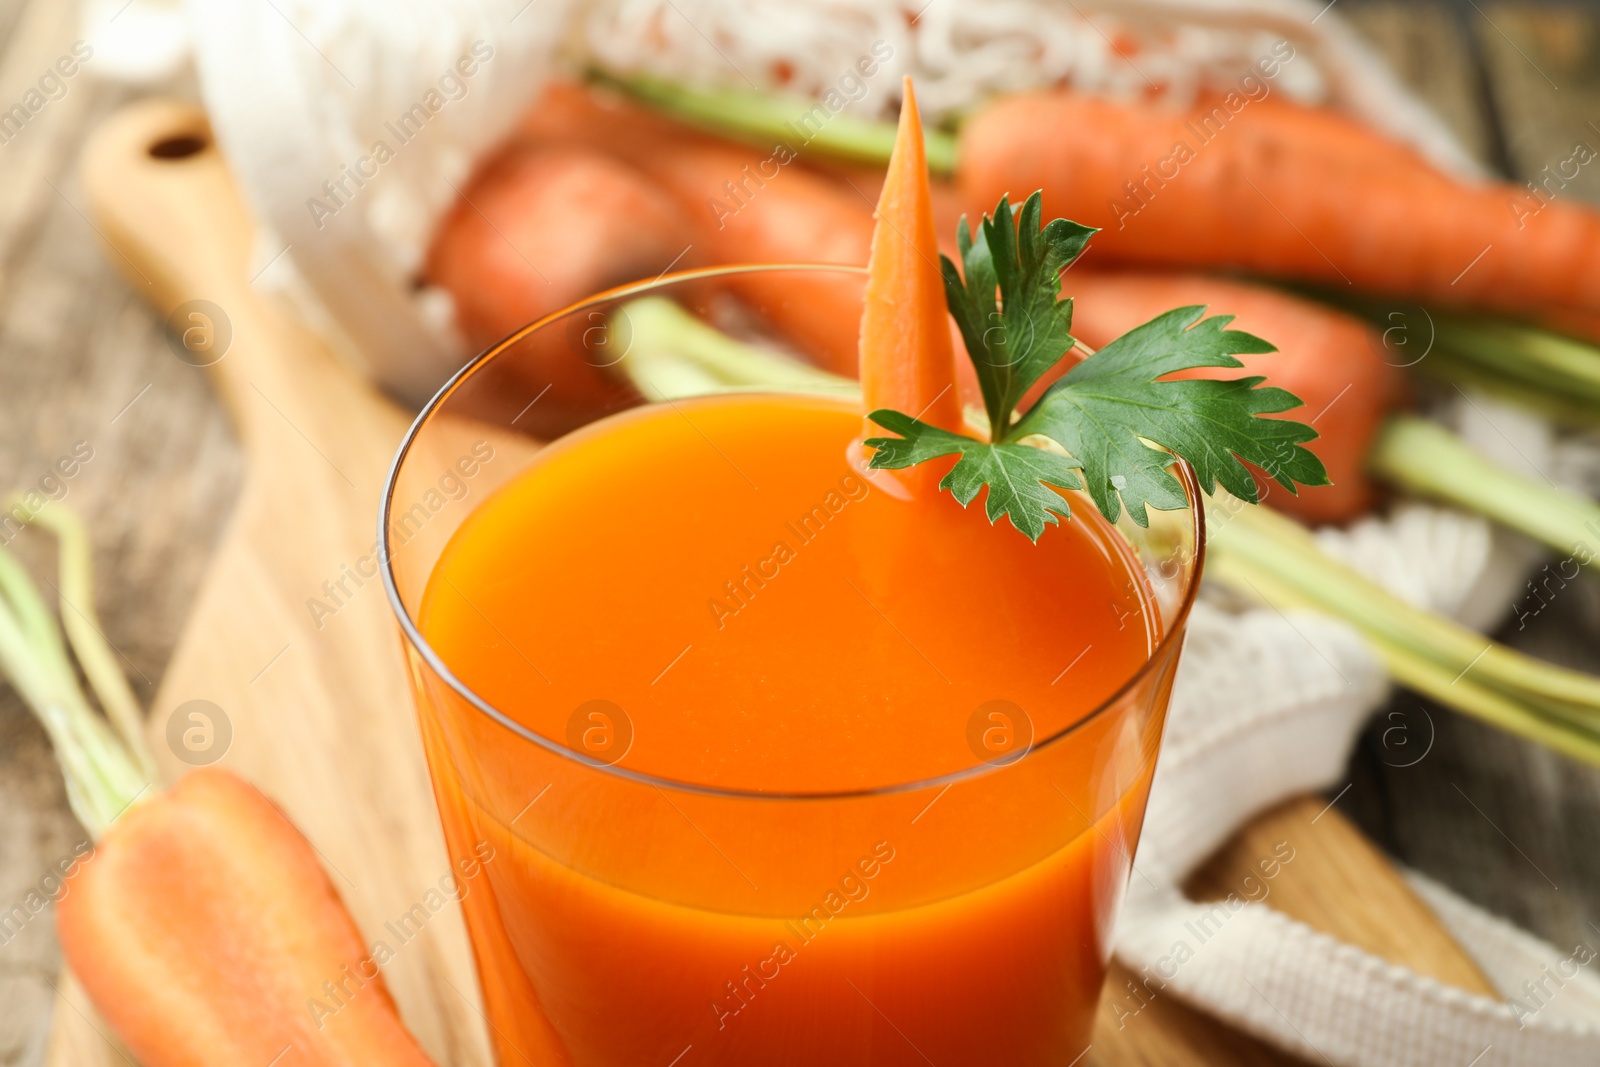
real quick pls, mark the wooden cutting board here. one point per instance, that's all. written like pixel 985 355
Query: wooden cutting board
pixel 318 709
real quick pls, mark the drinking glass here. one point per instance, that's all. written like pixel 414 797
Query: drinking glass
pixel 620 918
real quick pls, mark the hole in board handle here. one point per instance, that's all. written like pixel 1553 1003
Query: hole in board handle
pixel 179 146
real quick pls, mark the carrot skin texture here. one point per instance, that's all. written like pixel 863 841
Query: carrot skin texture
pixel 1282 189
pixel 202 926
pixel 1332 361
pixel 907 360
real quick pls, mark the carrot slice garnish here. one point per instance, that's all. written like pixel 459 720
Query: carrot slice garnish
pixel 907 362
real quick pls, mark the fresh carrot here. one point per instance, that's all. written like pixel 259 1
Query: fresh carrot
pixel 1331 360
pixel 907 360
pixel 741 205
pixel 536 231
pixel 201 925
pixel 1282 190
pixel 1267 185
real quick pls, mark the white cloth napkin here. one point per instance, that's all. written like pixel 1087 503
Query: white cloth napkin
pixel 298 91
pixel 301 93
pixel 1232 751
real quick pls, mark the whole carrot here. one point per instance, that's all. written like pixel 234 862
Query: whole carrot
pixel 202 926
pixel 1282 190
pixel 1264 184
pixel 535 231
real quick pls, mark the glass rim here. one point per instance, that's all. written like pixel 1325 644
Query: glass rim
pixel 435 663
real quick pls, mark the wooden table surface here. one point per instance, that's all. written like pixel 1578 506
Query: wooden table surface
pixel 83 360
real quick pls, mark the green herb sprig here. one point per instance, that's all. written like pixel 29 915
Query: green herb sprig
pixel 1111 424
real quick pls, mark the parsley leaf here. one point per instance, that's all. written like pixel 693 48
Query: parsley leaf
pixel 1014 473
pixel 1100 410
pixel 1115 417
pixel 1014 341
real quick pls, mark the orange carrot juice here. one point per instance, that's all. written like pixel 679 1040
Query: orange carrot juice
pixel 786 764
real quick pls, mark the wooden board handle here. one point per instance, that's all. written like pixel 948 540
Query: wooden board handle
pixel 1341 884
pixel 165 203
pixel 163 199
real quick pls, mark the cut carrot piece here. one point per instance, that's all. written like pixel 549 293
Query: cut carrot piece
pixel 907 362
pixel 206 931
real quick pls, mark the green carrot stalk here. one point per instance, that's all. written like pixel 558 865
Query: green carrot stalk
pixel 1425 458
pixel 82 625
pixel 763 119
pixel 1418 670
pixel 1569 408
pixel 671 354
pixel 103 777
pixel 1280 546
pixel 1560 364
pixel 1557 376
pixel 1550 725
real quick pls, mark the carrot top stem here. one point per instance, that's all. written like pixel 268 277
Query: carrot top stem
pixel 1268 558
pixel 765 119
pixel 1554 376
pixel 671 354
pixel 1570 411
pixel 104 775
pixel 1280 545
pixel 80 620
pixel 1425 458
pixel 1562 364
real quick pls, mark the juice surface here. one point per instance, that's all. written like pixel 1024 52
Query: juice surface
pixel 767 616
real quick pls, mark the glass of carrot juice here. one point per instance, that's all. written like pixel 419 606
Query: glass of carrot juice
pixel 763 757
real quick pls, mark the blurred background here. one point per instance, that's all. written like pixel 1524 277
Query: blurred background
pixel 88 369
